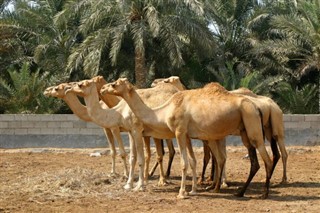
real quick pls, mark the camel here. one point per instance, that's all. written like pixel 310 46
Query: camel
pixel 175 81
pixel 81 111
pixel 272 122
pixel 148 96
pixel 210 113
pixel 122 116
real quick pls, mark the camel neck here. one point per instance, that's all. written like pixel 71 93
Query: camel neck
pixel 140 109
pixel 77 108
pixel 106 118
pixel 110 100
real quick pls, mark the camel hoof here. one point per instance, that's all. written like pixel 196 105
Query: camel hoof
pixel 239 194
pixel 264 196
pixel 113 175
pixel 183 195
pixel 127 186
pixel 162 183
pixel 224 186
pixel 284 181
pixel 216 190
pixel 192 193
pixel 139 188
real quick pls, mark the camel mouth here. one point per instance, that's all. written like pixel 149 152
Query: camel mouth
pixel 104 90
pixel 46 93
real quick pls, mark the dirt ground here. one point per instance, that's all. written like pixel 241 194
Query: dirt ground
pixel 56 180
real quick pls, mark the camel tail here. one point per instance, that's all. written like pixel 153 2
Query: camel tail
pixel 261 119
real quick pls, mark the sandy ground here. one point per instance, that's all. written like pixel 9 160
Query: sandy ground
pixel 55 180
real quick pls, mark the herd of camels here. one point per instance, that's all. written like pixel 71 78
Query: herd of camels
pixel 168 110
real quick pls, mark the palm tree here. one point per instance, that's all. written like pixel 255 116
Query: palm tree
pixel 292 44
pixel 297 101
pixel 28 33
pixel 22 93
pixel 107 24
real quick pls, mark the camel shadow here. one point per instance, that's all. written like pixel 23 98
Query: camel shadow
pixel 254 191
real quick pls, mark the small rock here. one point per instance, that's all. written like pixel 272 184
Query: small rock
pixel 95 154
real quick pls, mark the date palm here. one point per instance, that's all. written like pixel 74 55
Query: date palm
pixel 291 43
pixel 28 33
pixel 107 24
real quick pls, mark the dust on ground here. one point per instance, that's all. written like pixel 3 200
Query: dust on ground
pixel 69 180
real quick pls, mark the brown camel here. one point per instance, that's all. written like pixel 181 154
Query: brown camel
pixel 272 123
pixel 152 100
pixel 81 111
pixel 210 113
pixel 175 81
pixel 121 115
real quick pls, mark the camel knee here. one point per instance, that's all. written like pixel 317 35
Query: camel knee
pixel 159 159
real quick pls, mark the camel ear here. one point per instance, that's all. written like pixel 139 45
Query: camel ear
pixel 175 79
pixel 99 78
pixel 122 80
pixel 166 80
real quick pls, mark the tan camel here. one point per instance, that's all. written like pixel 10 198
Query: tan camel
pixel 149 97
pixel 121 115
pixel 81 111
pixel 272 122
pixel 210 113
pixel 175 81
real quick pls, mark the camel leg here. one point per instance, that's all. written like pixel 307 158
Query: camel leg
pixel 274 147
pixel 132 162
pixel 284 156
pixel 223 148
pixel 110 140
pixel 140 157
pixel 276 154
pixel 253 161
pixel 193 165
pixel 268 167
pixel 218 149
pixel 158 143
pixel 182 140
pixel 123 154
pixel 147 157
pixel 206 159
pixel 153 169
pixel 172 152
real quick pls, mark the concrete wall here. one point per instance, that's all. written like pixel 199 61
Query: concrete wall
pixel 68 131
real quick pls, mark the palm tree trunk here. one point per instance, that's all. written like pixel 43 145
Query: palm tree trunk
pixel 140 69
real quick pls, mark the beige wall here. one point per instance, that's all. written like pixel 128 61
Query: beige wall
pixel 299 129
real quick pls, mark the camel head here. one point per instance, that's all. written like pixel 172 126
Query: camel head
pixel 57 91
pixel 47 91
pixel 81 88
pixel 174 80
pixel 100 81
pixel 120 87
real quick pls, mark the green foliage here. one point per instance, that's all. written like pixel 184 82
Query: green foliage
pixel 24 92
pixel 270 47
pixel 298 101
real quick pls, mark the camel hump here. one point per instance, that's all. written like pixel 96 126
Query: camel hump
pixel 215 87
pixel 245 91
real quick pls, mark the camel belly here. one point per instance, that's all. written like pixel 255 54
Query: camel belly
pixel 214 127
pixel 158 133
